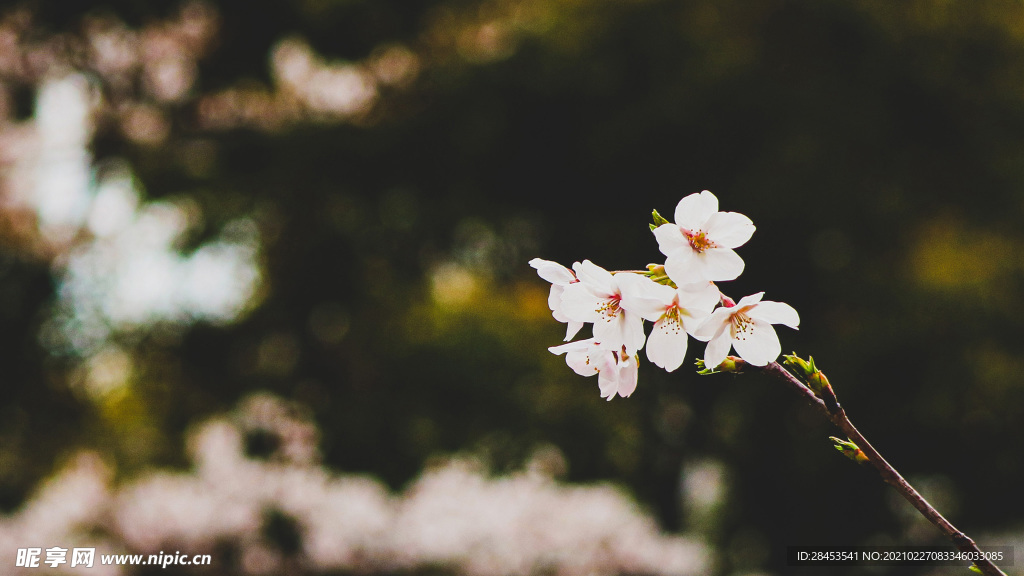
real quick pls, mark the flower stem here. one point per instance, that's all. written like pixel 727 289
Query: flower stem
pixel 835 413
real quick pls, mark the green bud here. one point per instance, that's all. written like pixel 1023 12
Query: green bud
pixel 818 382
pixel 805 367
pixel 849 449
pixel 730 364
pixel 702 368
pixel 974 568
pixel 658 219
pixel 797 363
pixel 657 273
pixel 809 373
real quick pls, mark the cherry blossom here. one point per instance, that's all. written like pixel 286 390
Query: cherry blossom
pixel 559 276
pixel 603 298
pixel 679 297
pixel 699 245
pixel 747 327
pixel 617 370
pixel 675 312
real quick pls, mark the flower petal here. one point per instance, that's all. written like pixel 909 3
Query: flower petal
pixel 580 304
pixel 748 300
pixel 646 297
pixel 582 356
pixel 580 362
pixel 608 381
pixel 761 344
pixel 776 313
pixel 555 302
pixel 634 333
pixel 694 210
pixel 715 324
pixel 666 346
pixel 670 238
pixel 701 296
pixel 623 329
pixel 692 318
pixel 596 278
pixel 719 264
pixel 571 346
pixel 729 229
pixel 552 271
pixel 681 266
pixel 628 373
pixel 572 328
pixel 717 350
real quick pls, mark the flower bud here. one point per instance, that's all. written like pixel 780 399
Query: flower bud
pixel 816 379
pixel 794 361
pixel 849 449
pixel 658 219
pixel 657 273
pixel 732 364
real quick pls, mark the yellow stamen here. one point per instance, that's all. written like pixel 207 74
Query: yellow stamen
pixel 609 308
pixel 741 324
pixel 699 241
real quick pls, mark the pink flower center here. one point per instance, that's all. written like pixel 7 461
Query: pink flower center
pixel 699 240
pixel 671 321
pixel 610 308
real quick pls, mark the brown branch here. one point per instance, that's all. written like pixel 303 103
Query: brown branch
pixel 835 413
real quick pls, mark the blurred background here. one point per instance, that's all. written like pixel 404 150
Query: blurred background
pixel 264 290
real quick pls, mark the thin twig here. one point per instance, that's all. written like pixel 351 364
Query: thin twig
pixel 835 413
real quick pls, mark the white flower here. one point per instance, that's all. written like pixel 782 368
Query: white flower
pixel 559 276
pixel 602 298
pixel 699 245
pixel 675 312
pixel 747 327
pixel 617 370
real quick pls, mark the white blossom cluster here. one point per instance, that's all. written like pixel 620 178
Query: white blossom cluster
pixel 680 298
pixel 454 516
